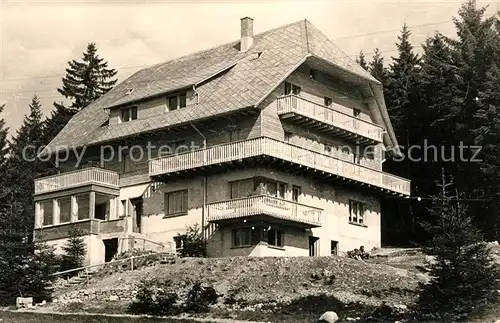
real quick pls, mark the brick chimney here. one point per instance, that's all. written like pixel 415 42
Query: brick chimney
pixel 246 33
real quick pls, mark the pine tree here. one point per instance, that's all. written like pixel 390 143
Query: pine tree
pixel 377 68
pixel 85 82
pixel 463 275
pixel 4 131
pixel 402 85
pixel 26 266
pixel 361 60
pixel 74 251
pixel 403 104
pixel 24 166
pixel 474 56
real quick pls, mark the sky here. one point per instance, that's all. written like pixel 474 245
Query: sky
pixel 38 38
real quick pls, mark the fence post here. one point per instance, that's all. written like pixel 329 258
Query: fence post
pixel 87 275
pixel 132 263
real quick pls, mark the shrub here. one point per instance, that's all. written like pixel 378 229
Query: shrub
pixel 154 297
pixel 199 298
pixel 193 243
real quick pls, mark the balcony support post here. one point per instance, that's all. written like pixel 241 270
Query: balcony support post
pixel 112 208
pixel 92 205
pixel 74 209
pixel 55 212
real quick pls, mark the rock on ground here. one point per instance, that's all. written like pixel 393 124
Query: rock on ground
pixel 329 317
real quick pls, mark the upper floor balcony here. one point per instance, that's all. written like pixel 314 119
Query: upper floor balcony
pixel 317 116
pixel 77 178
pixel 263 148
pixel 272 208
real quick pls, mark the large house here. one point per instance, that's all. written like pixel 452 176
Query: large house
pixel 272 144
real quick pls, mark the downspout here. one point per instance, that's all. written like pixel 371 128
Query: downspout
pixel 204 160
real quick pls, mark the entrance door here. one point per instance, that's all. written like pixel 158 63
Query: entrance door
pixel 313 246
pixel 110 248
pixel 137 207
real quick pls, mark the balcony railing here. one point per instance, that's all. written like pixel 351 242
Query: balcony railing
pixel 281 150
pixel 294 104
pixel 265 205
pixel 91 175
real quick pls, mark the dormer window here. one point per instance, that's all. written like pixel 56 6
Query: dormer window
pixel 129 114
pixel 177 101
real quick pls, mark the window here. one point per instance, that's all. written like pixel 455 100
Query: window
pixel 356 212
pixel 242 237
pixel 275 189
pixel 176 203
pixel 327 101
pixel 334 248
pixel 356 112
pixel 275 238
pixel 235 135
pixel 176 101
pixel 291 89
pixel 48 212
pixel 241 188
pixel 64 209
pixel 124 208
pixel 83 206
pixel 296 190
pixel 100 211
pixel 129 114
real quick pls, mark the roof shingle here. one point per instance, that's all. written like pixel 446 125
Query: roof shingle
pixel 244 80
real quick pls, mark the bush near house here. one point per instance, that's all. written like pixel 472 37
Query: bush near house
pixel 159 297
pixel 193 243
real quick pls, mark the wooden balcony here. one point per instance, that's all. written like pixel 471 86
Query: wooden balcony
pixel 322 118
pixel 80 177
pixel 236 152
pixel 268 206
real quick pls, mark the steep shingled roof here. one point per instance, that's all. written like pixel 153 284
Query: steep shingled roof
pixel 243 81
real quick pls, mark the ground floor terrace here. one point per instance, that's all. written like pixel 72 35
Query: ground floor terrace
pixel 252 211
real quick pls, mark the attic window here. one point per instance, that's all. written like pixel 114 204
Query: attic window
pixel 176 101
pixel 129 91
pixel 129 114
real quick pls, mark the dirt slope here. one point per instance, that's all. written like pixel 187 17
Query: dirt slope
pixel 269 280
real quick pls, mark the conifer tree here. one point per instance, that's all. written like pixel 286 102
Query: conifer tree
pixel 361 60
pixel 4 131
pixel 4 154
pixel 377 68
pixel 474 56
pixel 85 81
pixel 402 85
pixel 463 276
pixel 74 251
pixel 24 166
